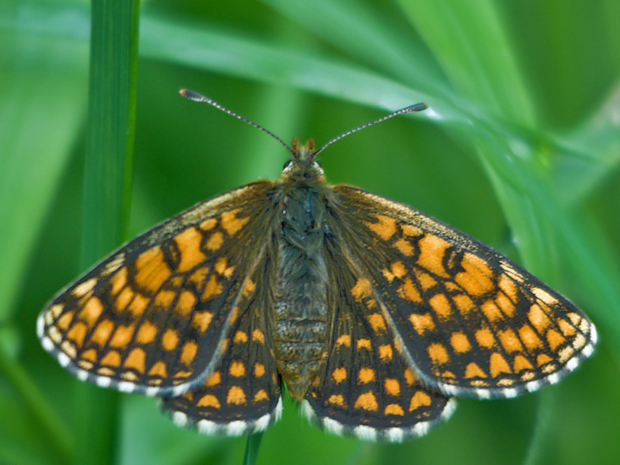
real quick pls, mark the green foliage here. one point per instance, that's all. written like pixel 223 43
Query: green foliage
pixel 520 148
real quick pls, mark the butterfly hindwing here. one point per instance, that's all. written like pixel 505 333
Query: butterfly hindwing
pixel 243 393
pixel 152 316
pixel 471 321
pixel 366 388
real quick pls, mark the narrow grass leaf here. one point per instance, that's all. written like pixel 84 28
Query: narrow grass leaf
pixel 114 51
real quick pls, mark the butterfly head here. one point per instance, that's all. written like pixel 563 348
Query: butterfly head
pixel 303 165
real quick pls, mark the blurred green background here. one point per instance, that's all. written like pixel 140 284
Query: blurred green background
pixel 520 149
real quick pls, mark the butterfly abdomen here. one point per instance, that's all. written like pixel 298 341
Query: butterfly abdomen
pixel 301 290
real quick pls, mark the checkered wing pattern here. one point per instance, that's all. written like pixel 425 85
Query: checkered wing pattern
pixel 243 393
pixel 154 316
pixel 471 322
pixel 367 388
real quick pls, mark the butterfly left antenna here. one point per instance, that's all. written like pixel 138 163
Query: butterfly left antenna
pixel 196 97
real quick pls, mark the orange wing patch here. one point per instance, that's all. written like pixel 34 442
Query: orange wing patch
pixel 146 318
pixel 471 322
pixel 243 392
pixel 366 380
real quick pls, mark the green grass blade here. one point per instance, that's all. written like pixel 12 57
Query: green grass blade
pixel 251 448
pixel 112 100
pixel 470 41
pixel 204 48
pixel 377 36
pixel 591 152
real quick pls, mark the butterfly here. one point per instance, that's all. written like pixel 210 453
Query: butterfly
pixel 374 315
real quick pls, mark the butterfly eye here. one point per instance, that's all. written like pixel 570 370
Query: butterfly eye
pixel 286 164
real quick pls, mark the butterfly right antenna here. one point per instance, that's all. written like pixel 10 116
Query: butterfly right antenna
pixel 410 109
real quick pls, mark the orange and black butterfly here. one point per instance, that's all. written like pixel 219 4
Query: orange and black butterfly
pixel 373 314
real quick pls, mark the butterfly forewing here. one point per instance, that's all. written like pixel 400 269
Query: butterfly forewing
pixel 367 388
pixel 152 317
pixel 471 322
